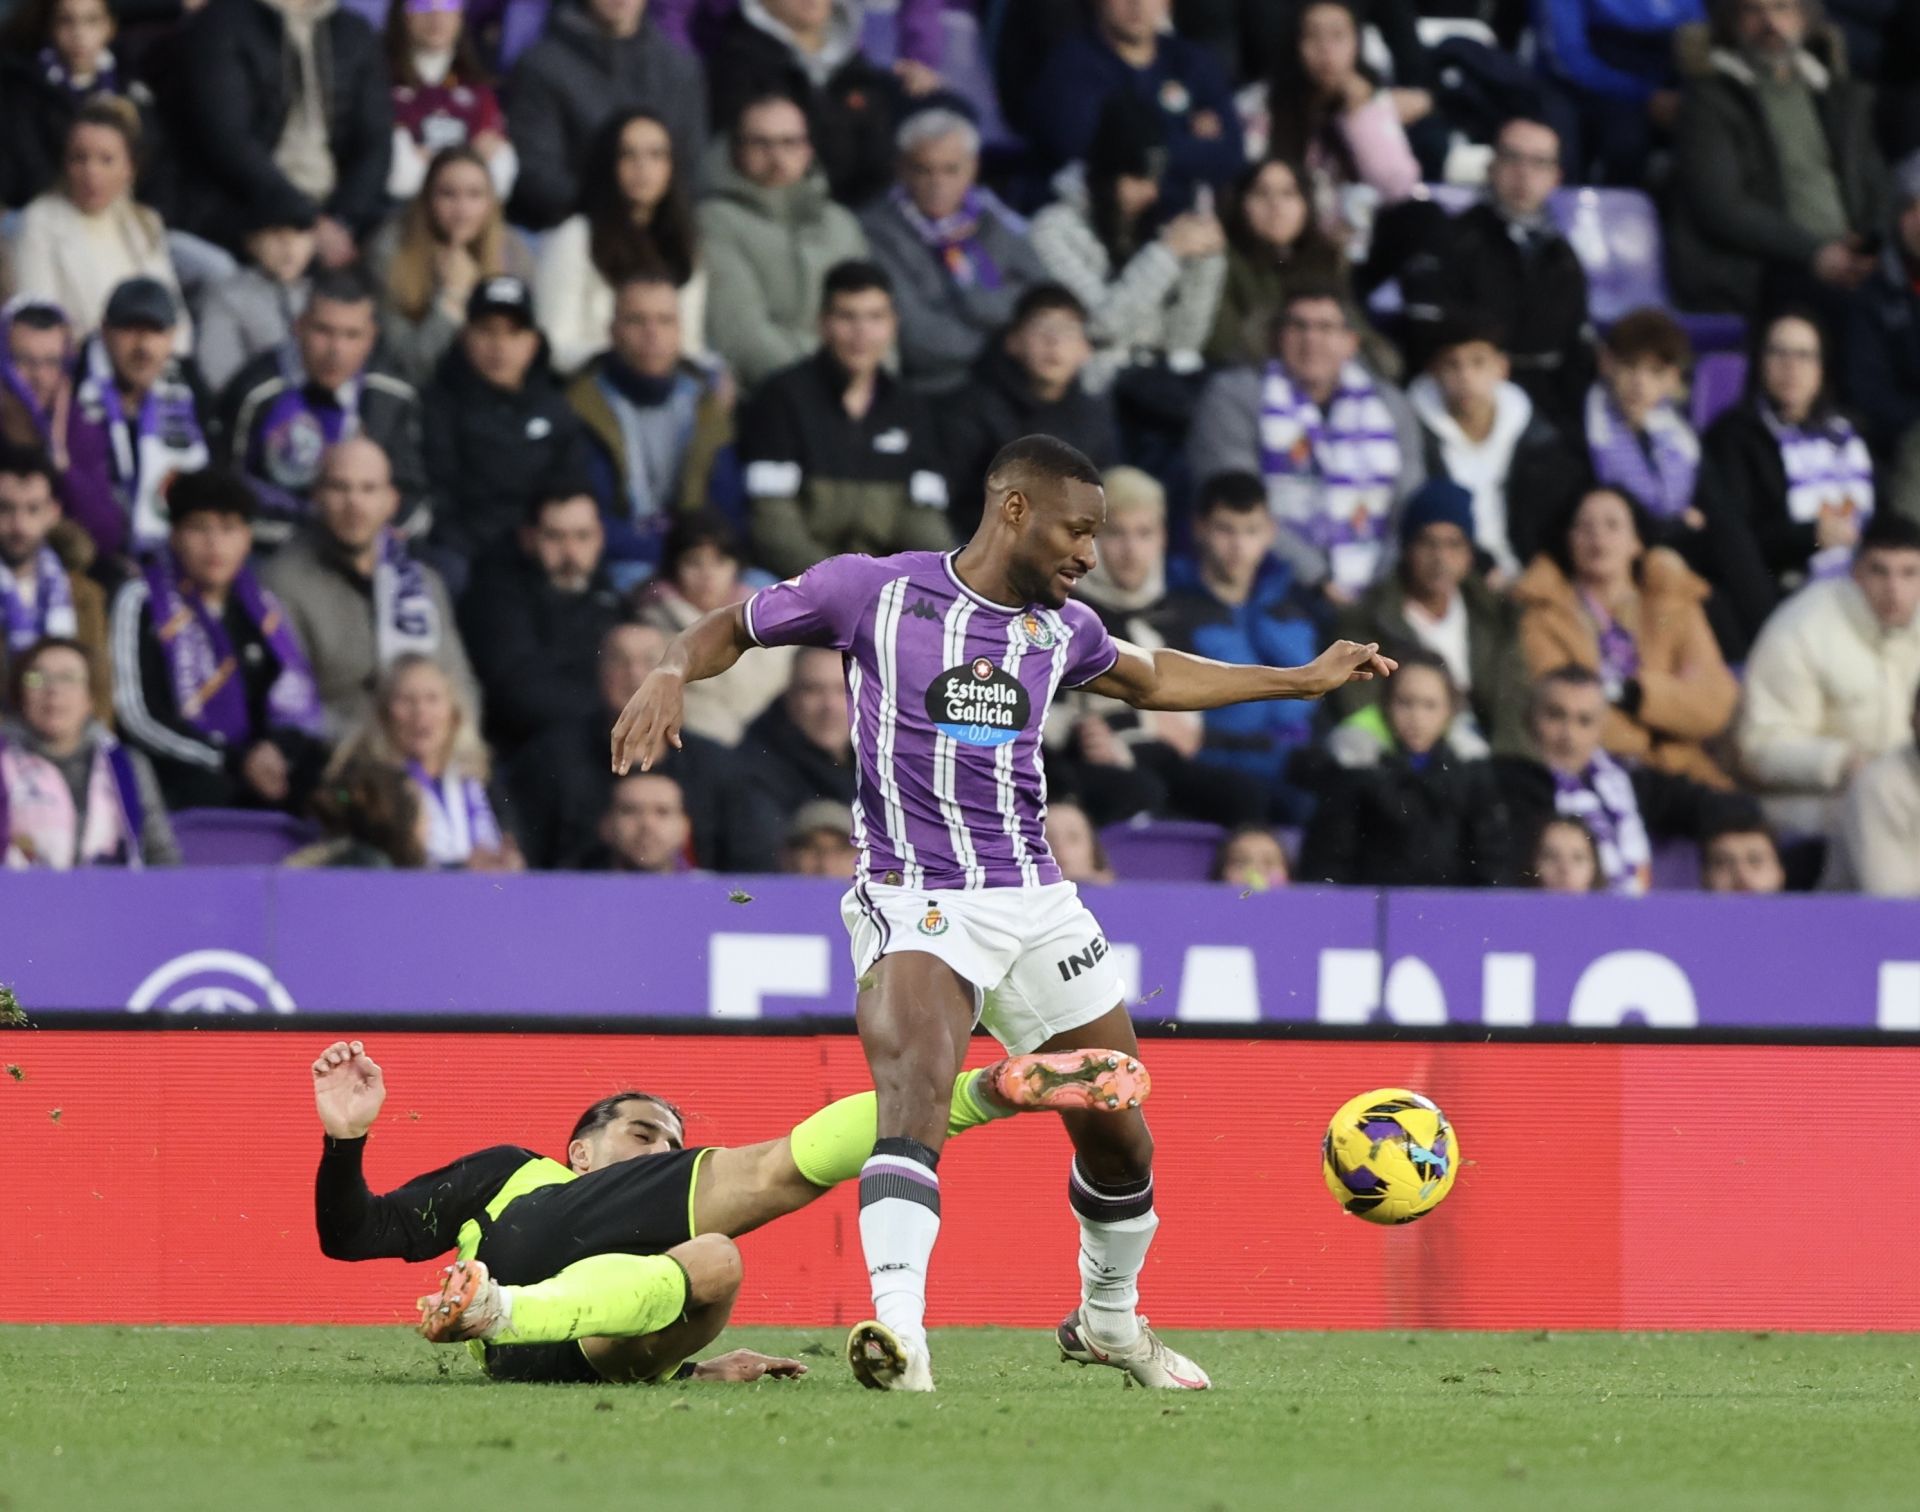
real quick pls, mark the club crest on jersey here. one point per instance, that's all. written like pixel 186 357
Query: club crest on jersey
pixel 933 922
pixel 978 704
pixel 1038 632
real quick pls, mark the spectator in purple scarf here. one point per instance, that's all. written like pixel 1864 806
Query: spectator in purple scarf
pixel 210 680
pixel 959 259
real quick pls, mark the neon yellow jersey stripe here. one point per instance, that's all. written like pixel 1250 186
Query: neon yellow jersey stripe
pixel 693 1188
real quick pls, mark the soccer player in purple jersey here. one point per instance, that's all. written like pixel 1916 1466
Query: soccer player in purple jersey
pixel 959 915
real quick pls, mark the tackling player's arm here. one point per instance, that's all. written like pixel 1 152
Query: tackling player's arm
pixel 651 720
pixel 1167 679
pixel 413 1222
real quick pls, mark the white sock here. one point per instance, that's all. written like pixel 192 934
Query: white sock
pixel 1116 1228
pixel 899 1221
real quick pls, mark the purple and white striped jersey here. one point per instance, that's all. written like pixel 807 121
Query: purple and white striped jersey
pixel 947 693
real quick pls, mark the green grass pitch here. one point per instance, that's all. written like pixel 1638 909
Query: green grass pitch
pixel 359 1420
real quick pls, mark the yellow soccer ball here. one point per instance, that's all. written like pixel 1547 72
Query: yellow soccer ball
pixel 1390 1156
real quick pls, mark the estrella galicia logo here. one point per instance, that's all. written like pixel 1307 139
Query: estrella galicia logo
pixel 978 704
pixel 211 981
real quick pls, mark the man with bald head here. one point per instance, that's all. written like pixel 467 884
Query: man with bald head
pixel 959 914
pixel 354 591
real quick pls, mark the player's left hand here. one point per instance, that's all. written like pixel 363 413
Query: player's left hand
pixel 1344 662
pixel 348 1089
pixel 747 1365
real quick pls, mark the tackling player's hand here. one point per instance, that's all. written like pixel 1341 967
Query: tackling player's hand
pixel 348 1089
pixel 1344 662
pixel 650 721
pixel 746 1365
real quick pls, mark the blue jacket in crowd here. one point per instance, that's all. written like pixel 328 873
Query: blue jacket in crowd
pixel 1622 48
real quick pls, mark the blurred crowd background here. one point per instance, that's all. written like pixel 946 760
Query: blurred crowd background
pixel 383 384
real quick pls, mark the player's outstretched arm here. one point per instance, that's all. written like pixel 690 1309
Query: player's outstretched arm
pixel 651 720
pixel 1167 679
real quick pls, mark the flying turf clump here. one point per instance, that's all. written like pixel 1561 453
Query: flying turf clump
pixel 12 1015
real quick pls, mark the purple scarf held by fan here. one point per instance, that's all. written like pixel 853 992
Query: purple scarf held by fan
pixel 1656 466
pixel 460 820
pixel 299 426
pixel 1619 652
pixel 205 670
pixel 50 614
pixel 1603 799
pixel 955 239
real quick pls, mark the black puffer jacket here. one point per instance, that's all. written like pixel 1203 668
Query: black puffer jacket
pixel 228 104
pixel 490 453
pixel 1398 825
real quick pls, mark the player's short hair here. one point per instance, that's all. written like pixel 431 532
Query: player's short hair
pixel 340 286
pixel 854 275
pixel 1236 492
pixel 604 1112
pixel 212 490
pixel 1039 459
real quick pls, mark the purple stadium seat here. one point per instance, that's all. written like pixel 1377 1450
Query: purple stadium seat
pixel 1718 378
pixel 239 837
pixel 1616 235
pixel 1161 850
pixel 1676 866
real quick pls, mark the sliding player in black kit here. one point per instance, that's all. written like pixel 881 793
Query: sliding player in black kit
pixel 620 1264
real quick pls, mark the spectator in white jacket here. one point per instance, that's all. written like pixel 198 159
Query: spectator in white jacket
pixel 1831 681
pixel 1879 850
pixel 636 216
pixel 1149 273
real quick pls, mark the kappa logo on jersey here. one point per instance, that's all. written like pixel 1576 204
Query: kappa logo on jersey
pixel 934 922
pixel 922 609
pixel 1038 632
pixel 978 704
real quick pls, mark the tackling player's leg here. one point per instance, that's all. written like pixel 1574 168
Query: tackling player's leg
pixel 1110 1189
pixel 914 1013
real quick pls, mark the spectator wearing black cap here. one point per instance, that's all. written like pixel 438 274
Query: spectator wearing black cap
pixel 769 232
pixel 658 425
pixel 1030 381
pixel 1483 432
pixel 840 455
pixel 1435 600
pixel 357 596
pixel 700 571
pixel 285 408
pixel 595 59
pixel 958 258
pixel 810 51
pixel 224 703
pixel 282 103
pixel 1148 271
pixel 36 378
pixel 1127 55
pixel 1507 256
pixel 252 310
pixel 86 235
pixel 135 423
pixel 499 430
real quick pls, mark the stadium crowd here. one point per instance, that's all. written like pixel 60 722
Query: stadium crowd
pixel 383 384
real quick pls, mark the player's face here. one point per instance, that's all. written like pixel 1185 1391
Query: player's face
pixel 1563 862
pixel 139 354
pixel 1056 546
pixel 1132 544
pixel 1891 582
pixel 40 358
pixel 1419 709
pixel 212 549
pixel 1742 864
pixel 1566 725
pixel 642 1128
pixel 28 511
pixel 336 339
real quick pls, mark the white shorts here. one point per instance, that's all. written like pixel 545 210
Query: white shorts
pixel 1037 960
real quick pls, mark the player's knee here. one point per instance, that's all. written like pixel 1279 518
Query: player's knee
pixel 714 1269
pixel 1115 1147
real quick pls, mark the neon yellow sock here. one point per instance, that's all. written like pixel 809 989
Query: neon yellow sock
pixel 615 1295
pixel 832 1145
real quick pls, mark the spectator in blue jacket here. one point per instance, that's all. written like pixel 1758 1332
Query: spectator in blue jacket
pixel 1127 52
pixel 1613 63
pixel 1236 602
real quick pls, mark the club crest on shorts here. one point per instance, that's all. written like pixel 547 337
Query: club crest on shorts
pixel 979 704
pixel 933 922
pixel 1038 632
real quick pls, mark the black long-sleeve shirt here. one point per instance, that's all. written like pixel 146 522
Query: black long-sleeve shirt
pixel 420 1219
